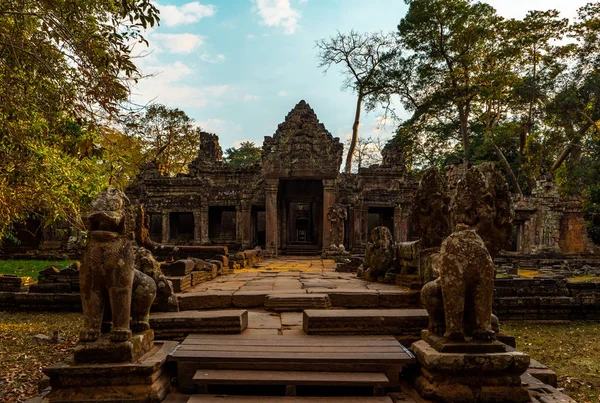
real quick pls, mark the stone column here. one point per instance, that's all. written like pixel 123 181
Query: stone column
pixel 366 236
pixel 328 201
pixel 166 228
pixel 271 230
pixel 238 224
pixel 398 224
pixel 246 226
pixel 197 227
pixel 356 233
pixel 204 240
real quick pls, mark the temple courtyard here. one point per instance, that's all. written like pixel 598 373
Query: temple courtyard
pixel 266 312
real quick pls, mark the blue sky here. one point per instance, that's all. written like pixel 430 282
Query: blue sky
pixel 239 66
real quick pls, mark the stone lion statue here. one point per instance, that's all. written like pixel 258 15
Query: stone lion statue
pixel 459 301
pixel 379 254
pixel 113 293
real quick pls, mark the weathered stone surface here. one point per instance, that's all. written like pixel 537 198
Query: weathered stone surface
pixel 398 298
pixel 105 350
pixel 379 255
pixel 473 377
pixel 108 269
pixel 249 298
pixel 430 209
pixel 166 300
pixel 465 288
pixel 177 325
pixel 144 381
pixel 341 298
pixel 296 302
pixel 337 215
pixel 483 201
pixel 398 322
pixel 178 268
pixel 205 300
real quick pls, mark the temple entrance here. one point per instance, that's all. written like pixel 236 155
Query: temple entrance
pixel 301 215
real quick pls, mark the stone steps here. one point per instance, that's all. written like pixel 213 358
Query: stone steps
pixel 295 353
pixel 286 399
pixel 290 379
pixel 397 322
pixel 297 302
pixel 340 298
pixel 177 325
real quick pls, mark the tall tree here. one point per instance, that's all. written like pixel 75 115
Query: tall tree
pixel 65 68
pixel 246 154
pixel 363 57
pixel 168 137
pixel 449 41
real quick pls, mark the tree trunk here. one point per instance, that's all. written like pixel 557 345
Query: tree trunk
pixel 508 169
pixel 348 166
pixel 464 133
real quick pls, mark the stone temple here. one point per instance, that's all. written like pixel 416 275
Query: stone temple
pixel 283 205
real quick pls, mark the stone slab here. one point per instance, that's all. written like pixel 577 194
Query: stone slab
pixel 205 300
pixel 263 320
pixel 171 325
pixel 105 350
pixel 466 347
pixel 344 298
pixel 286 399
pixel 490 363
pixel 398 322
pixel 398 298
pixel 249 298
pixel 296 302
pixel 143 381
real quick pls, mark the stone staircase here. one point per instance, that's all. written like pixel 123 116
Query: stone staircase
pixel 205 363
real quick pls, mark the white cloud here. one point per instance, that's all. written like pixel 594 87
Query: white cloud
pixel 168 85
pixel 250 98
pixel 176 43
pixel 250 36
pixel 212 125
pixel 278 13
pixel 188 13
pixel 282 93
pixel 302 1
pixel 220 58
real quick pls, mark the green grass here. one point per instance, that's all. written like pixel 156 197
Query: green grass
pixel 572 350
pixel 30 268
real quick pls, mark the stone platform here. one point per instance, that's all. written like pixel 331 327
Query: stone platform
pixel 471 376
pixel 145 380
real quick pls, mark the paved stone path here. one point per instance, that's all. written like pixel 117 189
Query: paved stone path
pixel 288 275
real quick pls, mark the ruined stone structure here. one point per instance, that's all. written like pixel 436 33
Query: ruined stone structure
pixel 546 222
pixel 281 205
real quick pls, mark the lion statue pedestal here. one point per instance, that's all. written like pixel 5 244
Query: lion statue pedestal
pixel 116 358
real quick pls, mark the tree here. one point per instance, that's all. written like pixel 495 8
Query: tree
pixel 244 155
pixel 449 41
pixel 363 57
pixel 65 68
pixel 168 137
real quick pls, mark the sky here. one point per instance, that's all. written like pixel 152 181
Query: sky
pixel 237 67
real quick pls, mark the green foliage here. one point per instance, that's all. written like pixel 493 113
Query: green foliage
pixel 245 155
pixel 64 71
pixel 30 268
pixel 167 136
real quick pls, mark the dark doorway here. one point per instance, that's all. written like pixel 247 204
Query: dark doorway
pixel 381 217
pixel 258 226
pixel 221 224
pixel 301 213
pixel 181 228
pixel 156 227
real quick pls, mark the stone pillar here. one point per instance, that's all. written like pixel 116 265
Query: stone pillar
pixel 366 236
pixel 166 228
pixel 328 201
pixel 246 226
pixel 356 231
pixel 271 229
pixel 238 224
pixel 197 227
pixel 204 240
pixel 398 224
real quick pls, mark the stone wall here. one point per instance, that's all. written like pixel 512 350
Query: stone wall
pixel 546 299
